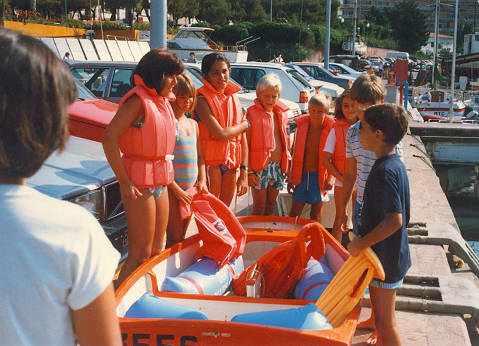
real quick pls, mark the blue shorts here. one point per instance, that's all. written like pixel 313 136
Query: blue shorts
pixel 386 285
pixel 308 190
pixel 356 217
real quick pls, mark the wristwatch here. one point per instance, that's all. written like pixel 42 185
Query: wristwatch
pixel 244 167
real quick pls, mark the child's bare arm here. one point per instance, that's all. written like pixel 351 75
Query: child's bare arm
pixel 213 126
pixel 328 163
pixel 391 224
pixel 242 183
pixel 96 323
pixel 201 182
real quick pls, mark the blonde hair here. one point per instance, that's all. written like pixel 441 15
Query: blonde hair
pixel 368 89
pixel 320 100
pixel 270 80
pixel 185 86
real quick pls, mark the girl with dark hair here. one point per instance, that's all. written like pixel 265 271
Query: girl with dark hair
pixel 57 263
pixel 335 152
pixel 144 129
pixel 222 126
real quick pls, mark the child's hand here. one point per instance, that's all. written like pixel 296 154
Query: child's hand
pixel 328 185
pixel 182 196
pixel 201 186
pixel 253 180
pixel 354 247
pixel 290 188
pixel 130 191
pixel 242 184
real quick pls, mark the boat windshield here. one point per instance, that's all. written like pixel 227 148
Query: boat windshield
pixel 192 34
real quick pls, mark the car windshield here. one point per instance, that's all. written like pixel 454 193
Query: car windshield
pixel 299 79
pixel 83 92
pixel 346 68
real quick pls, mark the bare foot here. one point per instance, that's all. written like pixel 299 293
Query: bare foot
pixel 372 339
pixel 366 324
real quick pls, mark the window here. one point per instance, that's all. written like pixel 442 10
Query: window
pixel 248 78
pixel 120 84
pixel 94 79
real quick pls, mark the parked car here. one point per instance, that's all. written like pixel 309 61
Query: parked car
pixel 111 81
pixel 377 67
pixel 364 65
pixel 81 174
pixel 317 71
pixel 348 60
pixel 344 70
pixel 329 89
pixel 294 87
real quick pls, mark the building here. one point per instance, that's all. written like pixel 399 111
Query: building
pixel 443 42
pixel 468 11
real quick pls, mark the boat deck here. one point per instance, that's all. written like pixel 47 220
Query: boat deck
pixel 439 302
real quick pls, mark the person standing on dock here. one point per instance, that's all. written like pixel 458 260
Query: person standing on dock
pixel 268 144
pixel 222 125
pixel 385 214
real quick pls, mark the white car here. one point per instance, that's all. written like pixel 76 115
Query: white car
pixel 246 98
pixel 294 87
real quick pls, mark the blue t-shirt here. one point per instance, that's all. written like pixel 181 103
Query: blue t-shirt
pixel 387 191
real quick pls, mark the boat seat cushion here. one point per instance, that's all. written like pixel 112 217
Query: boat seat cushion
pixel 150 306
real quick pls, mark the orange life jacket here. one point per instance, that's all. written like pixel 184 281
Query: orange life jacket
pixel 227 113
pixel 223 236
pixel 341 127
pixel 296 174
pixel 148 150
pixel 261 139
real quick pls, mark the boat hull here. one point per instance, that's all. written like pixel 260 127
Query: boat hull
pixel 263 233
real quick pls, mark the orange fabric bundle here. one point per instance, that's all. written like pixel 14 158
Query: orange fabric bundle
pixel 282 267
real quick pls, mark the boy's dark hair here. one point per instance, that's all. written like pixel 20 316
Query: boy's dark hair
pixel 338 104
pixel 390 119
pixel 368 89
pixel 35 92
pixel 210 59
pixel 154 65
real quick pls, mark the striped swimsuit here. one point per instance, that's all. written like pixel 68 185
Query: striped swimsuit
pixel 185 162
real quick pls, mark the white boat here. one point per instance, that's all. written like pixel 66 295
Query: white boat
pixel 437 103
pixel 196 40
pixel 359 48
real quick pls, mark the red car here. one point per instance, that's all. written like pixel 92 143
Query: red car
pixel 89 116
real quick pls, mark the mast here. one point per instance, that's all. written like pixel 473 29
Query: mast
pixel 436 34
pixel 453 67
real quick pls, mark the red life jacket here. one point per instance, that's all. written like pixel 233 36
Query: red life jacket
pixel 223 236
pixel 261 139
pixel 148 150
pixel 341 127
pixel 227 113
pixel 296 174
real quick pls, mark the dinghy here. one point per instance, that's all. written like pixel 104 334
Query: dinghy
pixel 150 315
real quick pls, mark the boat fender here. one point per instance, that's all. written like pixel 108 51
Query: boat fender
pixel 306 317
pixel 316 278
pixel 204 277
pixel 150 306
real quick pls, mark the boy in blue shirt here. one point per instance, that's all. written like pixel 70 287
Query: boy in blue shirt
pixel 385 213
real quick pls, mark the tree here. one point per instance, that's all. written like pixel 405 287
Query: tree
pixel 409 27
pixel 177 9
pixel 214 11
pixel 248 11
pixel 192 9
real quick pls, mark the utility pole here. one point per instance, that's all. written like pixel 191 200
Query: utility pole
pixel 300 22
pixel 353 50
pixel 158 24
pixel 328 25
pixel 436 34
pixel 271 11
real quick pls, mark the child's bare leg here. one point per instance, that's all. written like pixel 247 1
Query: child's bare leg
pixel 175 231
pixel 383 302
pixel 296 208
pixel 214 180
pixel 162 211
pixel 140 215
pixel 228 186
pixel 259 201
pixel 271 196
pixel 338 220
pixel 317 211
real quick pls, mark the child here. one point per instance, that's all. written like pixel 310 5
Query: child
pixel 221 124
pixel 144 129
pixel 308 179
pixel 385 213
pixel 57 263
pixel 188 163
pixel 268 144
pixel 335 152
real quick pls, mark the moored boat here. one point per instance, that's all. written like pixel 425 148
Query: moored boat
pixel 216 327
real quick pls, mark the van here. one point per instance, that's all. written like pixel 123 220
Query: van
pixel 397 55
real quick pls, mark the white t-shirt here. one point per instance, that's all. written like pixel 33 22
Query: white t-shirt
pixel 329 148
pixel 55 258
